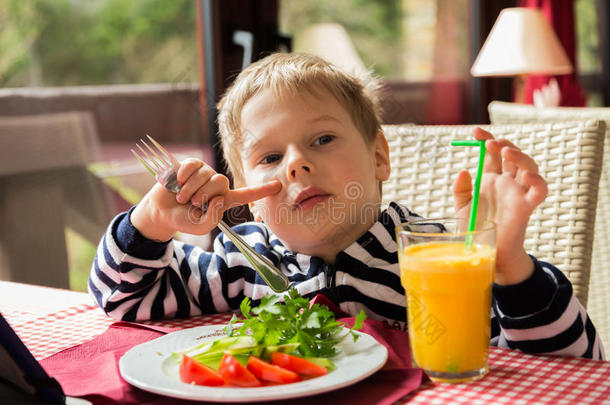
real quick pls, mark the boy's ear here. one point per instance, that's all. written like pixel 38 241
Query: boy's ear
pixel 382 157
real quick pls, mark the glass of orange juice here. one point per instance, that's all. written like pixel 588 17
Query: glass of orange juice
pixel 447 274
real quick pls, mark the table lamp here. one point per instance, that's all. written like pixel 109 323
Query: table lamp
pixel 521 42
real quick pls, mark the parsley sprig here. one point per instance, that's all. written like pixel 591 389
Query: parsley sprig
pixel 295 321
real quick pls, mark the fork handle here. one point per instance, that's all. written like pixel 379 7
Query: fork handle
pixel 171 182
pixel 276 280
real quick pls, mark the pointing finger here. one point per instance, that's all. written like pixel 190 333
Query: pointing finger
pixel 244 195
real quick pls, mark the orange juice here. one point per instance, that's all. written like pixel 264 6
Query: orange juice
pixel 448 305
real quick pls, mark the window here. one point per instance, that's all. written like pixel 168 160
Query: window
pixel 420 48
pixel 588 56
pixel 63 42
pixel 412 40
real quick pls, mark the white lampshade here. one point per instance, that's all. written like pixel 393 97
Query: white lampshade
pixel 331 42
pixel 521 42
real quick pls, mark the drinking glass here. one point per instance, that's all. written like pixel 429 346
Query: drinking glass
pixel 447 274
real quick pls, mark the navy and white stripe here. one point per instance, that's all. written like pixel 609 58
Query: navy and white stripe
pixel 135 279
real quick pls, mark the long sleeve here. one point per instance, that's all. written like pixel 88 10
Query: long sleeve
pixel 542 315
pixel 133 278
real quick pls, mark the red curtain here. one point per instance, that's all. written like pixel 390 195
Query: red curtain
pixel 560 14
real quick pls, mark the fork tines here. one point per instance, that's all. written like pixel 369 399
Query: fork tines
pixel 160 162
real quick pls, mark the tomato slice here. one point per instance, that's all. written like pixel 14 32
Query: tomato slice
pixel 297 364
pixel 236 374
pixel 192 371
pixel 269 372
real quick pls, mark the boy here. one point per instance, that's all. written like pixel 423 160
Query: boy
pixel 304 144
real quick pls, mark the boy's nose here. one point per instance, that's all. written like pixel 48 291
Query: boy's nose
pixel 297 165
pixel 294 172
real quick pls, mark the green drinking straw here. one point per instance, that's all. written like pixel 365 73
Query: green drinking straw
pixel 472 221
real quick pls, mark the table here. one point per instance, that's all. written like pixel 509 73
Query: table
pixel 49 320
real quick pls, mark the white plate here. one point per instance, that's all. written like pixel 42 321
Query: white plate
pixel 149 366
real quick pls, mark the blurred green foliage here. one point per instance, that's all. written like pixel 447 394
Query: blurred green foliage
pixel 587 34
pixel 67 42
pixel 88 42
pixel 80 256
pixel 16 38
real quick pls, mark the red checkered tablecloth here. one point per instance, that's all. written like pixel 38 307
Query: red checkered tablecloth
pixel 50 320
pixel 518 378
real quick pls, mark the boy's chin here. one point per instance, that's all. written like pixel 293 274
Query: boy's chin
pixel 316 238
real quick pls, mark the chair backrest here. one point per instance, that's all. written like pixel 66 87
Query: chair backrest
pixel 599 285
pixel 569 155
pixel 45 187
pixel 47 141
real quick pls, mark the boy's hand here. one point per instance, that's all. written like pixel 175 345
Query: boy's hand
pixel 511 189
pixel 161 213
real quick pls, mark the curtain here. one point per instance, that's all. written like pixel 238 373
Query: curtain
pixel 450 70
pixel 560 14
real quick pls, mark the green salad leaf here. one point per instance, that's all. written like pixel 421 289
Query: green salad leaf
pixel 293 326
pixel 312 327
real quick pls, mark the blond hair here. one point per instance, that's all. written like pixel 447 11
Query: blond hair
pixel 294 73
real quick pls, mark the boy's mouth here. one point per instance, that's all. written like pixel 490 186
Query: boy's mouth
pixel 309 197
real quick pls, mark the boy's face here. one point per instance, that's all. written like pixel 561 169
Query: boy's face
pixel 330 175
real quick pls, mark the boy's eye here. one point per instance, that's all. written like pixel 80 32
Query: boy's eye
pixel 324 139
pixel 270 159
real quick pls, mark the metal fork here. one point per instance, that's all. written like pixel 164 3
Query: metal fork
pixel 163 166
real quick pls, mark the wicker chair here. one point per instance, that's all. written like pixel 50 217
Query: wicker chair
pixel 599 285
pixel 424 166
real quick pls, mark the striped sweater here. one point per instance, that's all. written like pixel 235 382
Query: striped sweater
pixel 135 279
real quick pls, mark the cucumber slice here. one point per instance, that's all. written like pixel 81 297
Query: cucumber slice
pixel 322 361
pixel 285 348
